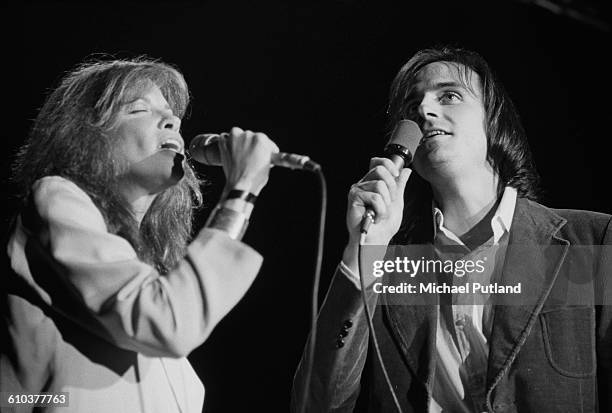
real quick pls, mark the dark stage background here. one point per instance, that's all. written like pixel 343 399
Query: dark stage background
pixel 314 77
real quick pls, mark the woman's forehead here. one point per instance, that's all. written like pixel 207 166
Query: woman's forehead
pixel 137 89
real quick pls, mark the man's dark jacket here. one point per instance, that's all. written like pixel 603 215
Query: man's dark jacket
pixel 544 356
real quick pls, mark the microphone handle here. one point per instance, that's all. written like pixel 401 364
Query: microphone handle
pixel 370 215
pixel 367 220
pixel 293 161
pixel 204 149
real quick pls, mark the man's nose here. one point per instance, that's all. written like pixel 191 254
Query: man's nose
pixel 428 109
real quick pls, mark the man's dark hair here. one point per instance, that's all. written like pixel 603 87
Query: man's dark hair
pixel 507 148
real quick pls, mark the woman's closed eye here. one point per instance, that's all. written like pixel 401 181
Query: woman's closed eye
pixel 138 109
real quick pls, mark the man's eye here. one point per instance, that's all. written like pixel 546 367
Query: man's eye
pixel 450 96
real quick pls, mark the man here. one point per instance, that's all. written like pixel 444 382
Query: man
pixel 474 191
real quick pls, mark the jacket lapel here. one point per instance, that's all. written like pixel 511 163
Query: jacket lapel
pixel 413 327
pixel 533 258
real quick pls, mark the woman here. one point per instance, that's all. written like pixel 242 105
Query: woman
pixel 104 298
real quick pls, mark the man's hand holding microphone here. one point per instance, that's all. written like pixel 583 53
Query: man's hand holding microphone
pixel 376 202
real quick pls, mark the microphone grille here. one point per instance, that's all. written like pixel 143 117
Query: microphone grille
pixel 407 134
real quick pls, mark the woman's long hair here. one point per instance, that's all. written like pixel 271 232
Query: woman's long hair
pixel 71 137
pixel 507 148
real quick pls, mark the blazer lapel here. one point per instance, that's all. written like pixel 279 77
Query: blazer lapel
pixel 414 330
pixel 413 327
pixel 533 258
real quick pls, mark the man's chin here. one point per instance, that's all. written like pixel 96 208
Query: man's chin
pixel 435 167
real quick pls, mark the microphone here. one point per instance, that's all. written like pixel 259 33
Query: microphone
pixel 204 148
pixel 400 149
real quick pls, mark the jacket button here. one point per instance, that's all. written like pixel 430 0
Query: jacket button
pixel 339 343
pixel 348 324
pixel 343 333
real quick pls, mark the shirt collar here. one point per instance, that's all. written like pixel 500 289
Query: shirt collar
pixel 500 223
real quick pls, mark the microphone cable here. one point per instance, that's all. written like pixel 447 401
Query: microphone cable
pixel 314 305
pixel 373 338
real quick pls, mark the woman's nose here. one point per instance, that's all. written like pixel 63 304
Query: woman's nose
pixel 172 122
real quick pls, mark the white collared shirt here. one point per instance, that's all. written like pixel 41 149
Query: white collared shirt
pixel 462 354
pixel 500 223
